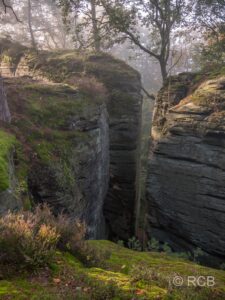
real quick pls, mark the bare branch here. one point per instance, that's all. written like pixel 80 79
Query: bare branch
pixel 176 62
pixel 139 44
pixel 9 7
pixel 150 96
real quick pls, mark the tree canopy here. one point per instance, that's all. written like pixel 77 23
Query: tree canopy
pixel 177 35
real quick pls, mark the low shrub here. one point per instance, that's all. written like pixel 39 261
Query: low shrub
pixel 153 245
pixel 71 231
pixel 166 248
pixel 89 86
pixel 121 243
pixel 134 244
pixel 29 239
pixel 197 254
pixel 26 243
pixel 93 257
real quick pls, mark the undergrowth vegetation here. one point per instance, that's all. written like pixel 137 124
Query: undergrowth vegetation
pixel 46 257
pixel 30 239
pixel 154 245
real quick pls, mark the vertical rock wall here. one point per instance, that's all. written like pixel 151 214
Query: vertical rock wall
pixel 124 107
pixel 82 194
pixel 185 188
pixel 124 139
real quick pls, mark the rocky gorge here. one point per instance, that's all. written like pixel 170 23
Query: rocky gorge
pixel 185 185
pixel 74 143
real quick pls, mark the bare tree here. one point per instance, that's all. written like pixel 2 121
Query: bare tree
pixel 96 30
pixel 29 18
pixel 159 17
pixel 7 7
pixel 88 22
pixel 41 25
pixel 5 115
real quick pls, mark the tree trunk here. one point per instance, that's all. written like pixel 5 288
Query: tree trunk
pixel 5 115
pixel 29 15
pixel 163 65
pixel 96 35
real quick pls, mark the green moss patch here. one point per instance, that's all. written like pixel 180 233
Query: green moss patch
pixel 211 94
pixel 7 142
pixel 127 275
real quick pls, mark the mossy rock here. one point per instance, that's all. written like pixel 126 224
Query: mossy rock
pixel 7 142
pixel 61 65
pixel 211 94
pixel 52 123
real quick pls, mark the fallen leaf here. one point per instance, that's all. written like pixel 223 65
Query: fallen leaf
pixel 139 292
pixel 56 280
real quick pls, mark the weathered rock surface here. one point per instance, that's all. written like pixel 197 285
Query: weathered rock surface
pixel 124 107
pixel 186 177
pixel 79 187
pixel 109 131
pixel 5 115
pixel 65 139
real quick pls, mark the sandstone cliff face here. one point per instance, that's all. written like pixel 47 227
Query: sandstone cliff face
pixel 124 107
pixel 99 129
pixel 64 138
pixel 185 188
pixel 77 185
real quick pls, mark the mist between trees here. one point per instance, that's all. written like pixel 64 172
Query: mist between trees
pixel 157 37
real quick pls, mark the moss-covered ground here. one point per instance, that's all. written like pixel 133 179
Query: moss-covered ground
pixel 121 274
pixel 7 142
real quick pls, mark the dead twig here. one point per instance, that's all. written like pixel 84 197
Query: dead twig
pixel 9 7
pixel 151 96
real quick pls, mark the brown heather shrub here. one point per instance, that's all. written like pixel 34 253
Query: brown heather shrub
pixel 71 232
pixel 29 239
pixel 90 86
pixel 26 243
